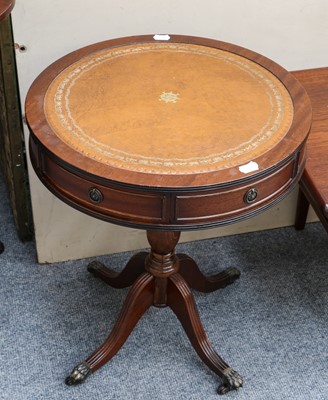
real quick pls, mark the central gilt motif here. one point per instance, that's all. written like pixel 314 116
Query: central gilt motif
pixel 169 97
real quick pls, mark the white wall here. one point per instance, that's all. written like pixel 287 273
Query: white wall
pixel 294 33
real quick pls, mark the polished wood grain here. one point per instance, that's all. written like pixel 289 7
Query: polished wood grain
pixel 123 279
pixel 167 208
pixel 314 182
pixel 181 301
pixel 71 159
pixel 139 299
pixel 161 278
pixel 173 200
pixel 195 279
pixel 6 7
pixel 166 198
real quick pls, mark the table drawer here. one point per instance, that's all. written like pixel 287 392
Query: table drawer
pixel 94 198
pixel 230 203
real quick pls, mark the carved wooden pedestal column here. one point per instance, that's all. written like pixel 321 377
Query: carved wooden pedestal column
pixel 162 262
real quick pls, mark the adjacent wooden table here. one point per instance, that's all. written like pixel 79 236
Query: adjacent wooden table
pixel 6 7
pixel 166 134
pixel 313 188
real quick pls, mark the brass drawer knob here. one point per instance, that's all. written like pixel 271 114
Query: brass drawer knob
pixel 95 195
pixel 250 196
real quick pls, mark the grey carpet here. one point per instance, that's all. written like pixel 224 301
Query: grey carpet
pixel 271 325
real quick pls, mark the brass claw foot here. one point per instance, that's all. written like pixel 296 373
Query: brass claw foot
pixel 78 375
pixel 231 381
pixel 232 274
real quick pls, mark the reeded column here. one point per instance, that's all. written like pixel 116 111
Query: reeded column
pixel 162 262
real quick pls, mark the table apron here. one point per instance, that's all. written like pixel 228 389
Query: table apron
pixel 170 210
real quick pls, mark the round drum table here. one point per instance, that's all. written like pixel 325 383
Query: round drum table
pixel 166 133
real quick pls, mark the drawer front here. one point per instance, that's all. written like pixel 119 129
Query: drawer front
pixel 119 204
pixel 230 203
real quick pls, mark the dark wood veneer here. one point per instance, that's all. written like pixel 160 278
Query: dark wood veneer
pixel 6 7
pixel 166 203
pixel 291 144
pixel 313 185
pixel 173 210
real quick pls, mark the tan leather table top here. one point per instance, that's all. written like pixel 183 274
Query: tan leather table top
pixel 181 113
pixel 178 132
pixel 168 108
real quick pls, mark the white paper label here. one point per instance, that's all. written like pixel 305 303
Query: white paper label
pixel 161 37
pixel 250 167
